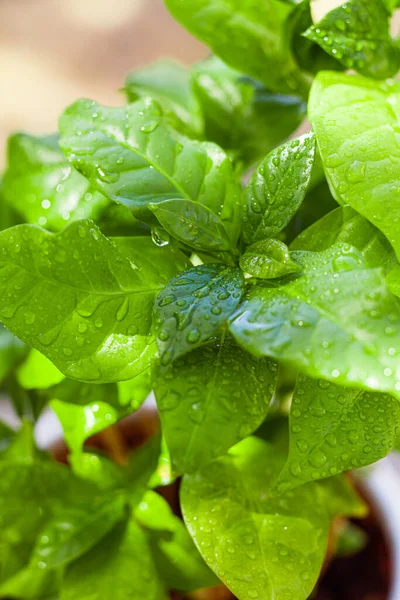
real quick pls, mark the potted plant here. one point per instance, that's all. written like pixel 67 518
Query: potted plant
pixel 179 244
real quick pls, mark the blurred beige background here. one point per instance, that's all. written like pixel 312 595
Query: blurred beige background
pixel 55 51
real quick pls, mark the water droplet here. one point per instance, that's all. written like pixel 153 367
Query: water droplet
pixel 169 401
pixel 163 335
pixel 318 459
pixel 123 310
pixel 356 172
pixel 29 318
pixel 345 263
pixel 151 125
pixel 160 237
pixel 193 336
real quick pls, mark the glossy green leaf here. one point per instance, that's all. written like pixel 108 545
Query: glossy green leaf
pixel 8 216
pixel 82 300
pixel 119 567
pixel 133 157
pixel 193 224
pixel 169 83
pixel 7 435
pixel 117 220
pixel 337 321
pixel 358 140
pixel 32 584
pixel 98 469
pixel 27 404
pixel 240 114
pixel 176 557
pixel 248 36
pixel 307 54
pixel 31 494
pixel 12 351
pixel 132 477
pixel 43 188
pixel 317 203
pixel 69 536
pixel 193 306
pixel 277 188
pixel 357 34
pixel 268 259
pixel 37 371
pixel 335 429
pixel 84 409
pixel 242 533
pixel 21 446
pixel 211 399
pixel 345 225
pixel 393 280
pixel 164 474
pixel 132 393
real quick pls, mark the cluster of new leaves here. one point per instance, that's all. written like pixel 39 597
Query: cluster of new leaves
pixel 133 258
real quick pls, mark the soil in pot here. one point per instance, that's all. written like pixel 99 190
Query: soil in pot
pixel 363 576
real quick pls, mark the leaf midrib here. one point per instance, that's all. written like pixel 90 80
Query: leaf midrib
pixel 145 158
pixel 39 275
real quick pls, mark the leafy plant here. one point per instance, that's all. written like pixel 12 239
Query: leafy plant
pixel 138 253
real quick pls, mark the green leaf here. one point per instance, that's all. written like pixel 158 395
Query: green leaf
pixel 132 393
pixel 21 446
pixel 32 584
pixel 26 403
pixel 37 371
pixel 268 259
pixel 133 477
pixel 345 225
pixel 317 203
pixel 357 138
pixel 240 114
pixel 133 157
pixel 168 82
pixel 393 280
pixel 210 400
pixel 337 321
pixel 88 310
pixel 277 188
pixel 6 437
pixel 335 429
pixel 241 532
pixel 8 217
pixel 357 34
pixel 84 409
pixel 193 224
pixel 42 186
pixel 117 220
pixel 31 494
pixel 12 351
pixel 341 498
pixel 163 475
pixel 75 531
pixel 193 306
pixel 307 54
pixel 118 568
pixel 176 557
pixel 352 540
pixel 249 36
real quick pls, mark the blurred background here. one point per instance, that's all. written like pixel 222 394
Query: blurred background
pixel 55 51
